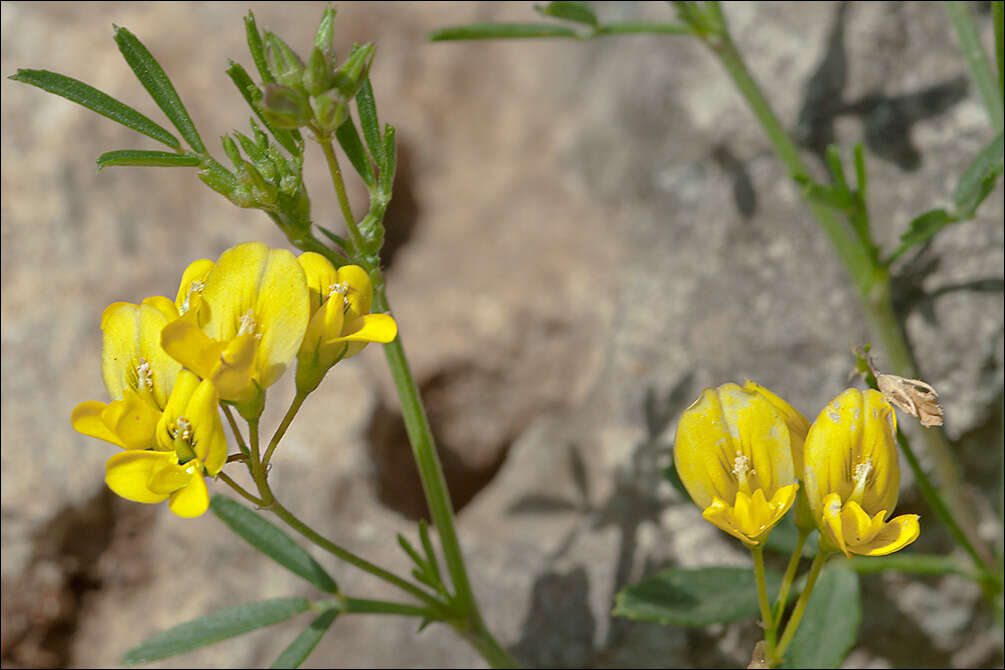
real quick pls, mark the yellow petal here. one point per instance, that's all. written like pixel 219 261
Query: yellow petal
pixel 177 407
pixel 722 516
pixel 233 375
pixel 127 474
pixel 193 280
pixel 169 478
pixel 191 501
pixel 131 353
pixel 320 276
pixel 853 437
pixel 832 525
pixel 798 424
pixel 86 419
pixel 163 305
pixel 360 293
pixel 325 324
pixel 232 288
pixel 369 328
pixel 283 312
pixel 894 536
pixel 210 440
pixel 133 419
pixel 188 344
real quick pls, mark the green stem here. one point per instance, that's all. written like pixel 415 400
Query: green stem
pixel 365 606
pixel 636 27
pixel 241 444
pixel 980 68
pixel 789 577
pixel 471 626
pixel 335 171
pixel 797 613
pixel 767 619
pixel 240 489
pixel 871 280
pixel 281 431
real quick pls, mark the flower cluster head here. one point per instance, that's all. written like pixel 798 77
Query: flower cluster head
pixel 741 453
pixel 232 330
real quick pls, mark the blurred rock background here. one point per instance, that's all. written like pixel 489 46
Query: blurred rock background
pixel 584 236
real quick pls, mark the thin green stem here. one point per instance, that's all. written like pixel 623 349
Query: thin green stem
pixel 335 171
pixel 767 619
pixel 980 67
pixel 281 430
pixel 797 613
pixel 366 606
pixel 258 473
pixel 241 444
pixel 634 27
pixel 789 577
pixel 240 489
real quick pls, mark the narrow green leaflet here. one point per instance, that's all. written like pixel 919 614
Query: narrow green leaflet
pixel 257 48
pixel 390 161
pixel 348 139
pixel 152 76
pixel 979 178
pixel 271 541
pixel 368 120
pixel 694 597
pixel 96 101
pixel 921 229
pixel 911 563
pixel 304 644
pixel 829 627
pixel 579 12
pixel 289 139
pixel 492 31
pixel 147 159
pixel 215 627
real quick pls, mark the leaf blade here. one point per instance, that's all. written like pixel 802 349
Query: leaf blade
pixel 302 646
pixel 694 597
pixel 494 31
pixel 143 158
pixel 97 101
pixel 823 638
pixel 215 627
pixel 271 541
pixel 152 76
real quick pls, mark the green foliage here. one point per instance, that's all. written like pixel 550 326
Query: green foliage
pixel 494 31
pixel 694 597
pixel 96 101
pixel 271 541
pixel 145 158
pixel 580 12
pixel 214 628
pixel 830 624
pixel 304 644
pixel 152 76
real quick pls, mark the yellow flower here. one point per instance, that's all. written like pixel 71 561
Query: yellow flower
pixel 138 374
pixel 732 453
pixel 341 323
pixel 190 443
pixel 853 476
pixel 244 324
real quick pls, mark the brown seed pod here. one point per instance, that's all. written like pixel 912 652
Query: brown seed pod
pixel 913 396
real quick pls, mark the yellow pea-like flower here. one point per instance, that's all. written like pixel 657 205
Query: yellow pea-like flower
pixel 733 454
pixel 852 476
pixel 190 444
pixel 341 324
pixel 244 324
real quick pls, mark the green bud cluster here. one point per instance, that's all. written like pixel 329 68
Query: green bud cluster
pixel 315 93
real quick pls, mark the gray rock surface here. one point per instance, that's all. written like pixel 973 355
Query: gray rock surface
pixel 579 241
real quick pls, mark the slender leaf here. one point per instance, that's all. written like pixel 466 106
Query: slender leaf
pixel 367 108
pixel 289 139
pixel 348 139
pixel 390 161
pixel 411 551
pixel 96 101
pixel 257 48
pixel 301 647
pixel 271 541
pixel 215 627
pixel 636 27
pixel 921 229
pixel 147 158
pixel 427 546
pixel 493 31
pixel 836 196
pixel 830 624
pixel 694 597
pixel 979 178
pixel 152 76
pixel 911 563
pixel 580 12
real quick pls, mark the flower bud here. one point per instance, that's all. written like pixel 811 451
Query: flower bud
pixel 350 77
pixel 330 109
pixel 286 107
pixel 317 76
pixel 283 61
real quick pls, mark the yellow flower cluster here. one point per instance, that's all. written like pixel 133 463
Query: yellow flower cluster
pixel 742 452
pixel 231 332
